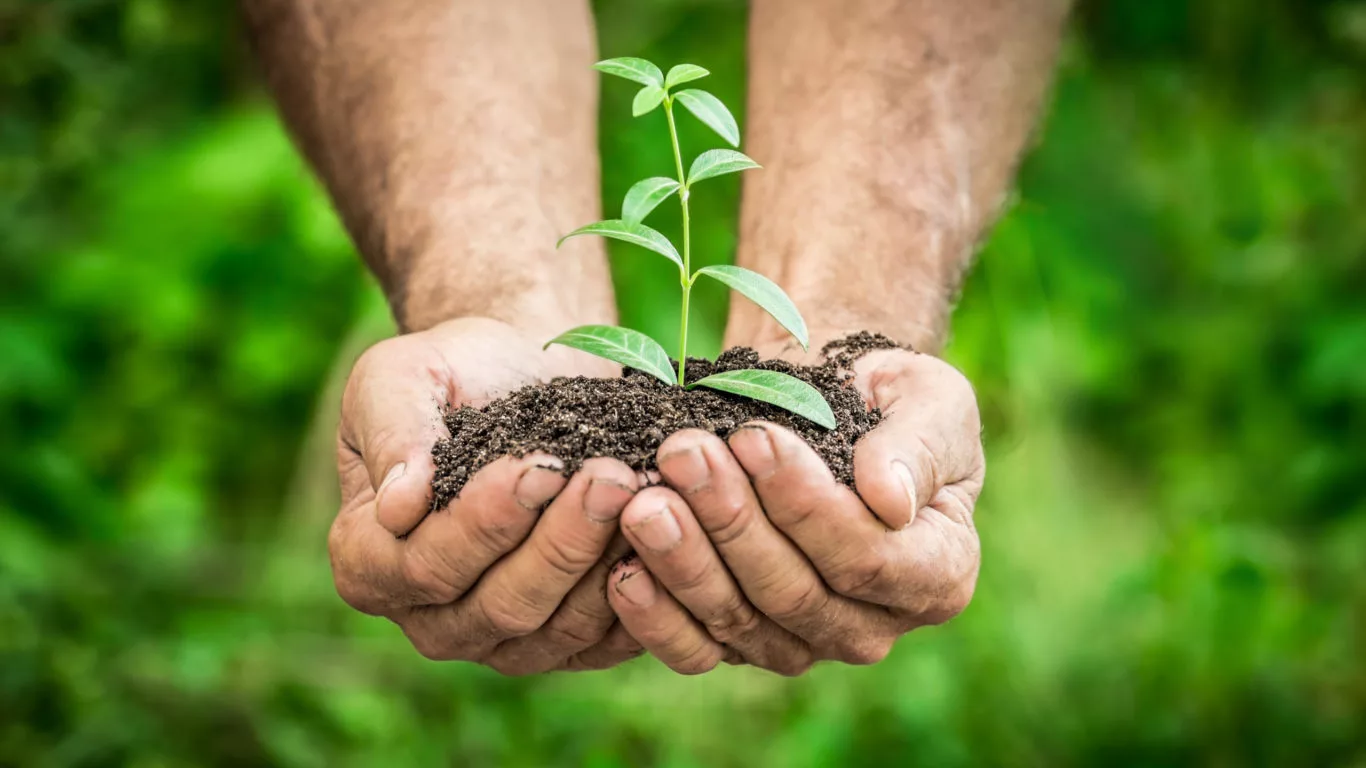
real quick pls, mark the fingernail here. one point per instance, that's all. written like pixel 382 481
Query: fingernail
pixel 686 469
pixel 638 588
pixel 537 486
pixel 659 532
pixel 908 483
pixel 753 447
pixel 395 472
pixel 604 499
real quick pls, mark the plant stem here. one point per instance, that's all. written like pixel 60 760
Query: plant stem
pixel 685 278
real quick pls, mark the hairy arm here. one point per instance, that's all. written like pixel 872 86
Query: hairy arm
pixel 458 140
pixel 889 132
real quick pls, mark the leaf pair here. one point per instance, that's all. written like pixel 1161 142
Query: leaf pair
pixel 636 350
pixel 657 85
pixel 750 284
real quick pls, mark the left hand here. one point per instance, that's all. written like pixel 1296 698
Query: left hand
pixel 755 554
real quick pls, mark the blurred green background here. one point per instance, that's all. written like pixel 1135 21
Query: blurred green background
pixel 1167 332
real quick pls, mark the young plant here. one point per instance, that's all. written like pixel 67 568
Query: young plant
pixel 635 349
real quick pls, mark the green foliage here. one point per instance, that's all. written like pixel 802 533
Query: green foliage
pixel 635 70
pixel 684 73
pixel 712 112
pixel 765 293
pixel 645 195
pixel 773 387
pixel 628 232
pixel 622 346
pixel 1165 332
pixel 718 162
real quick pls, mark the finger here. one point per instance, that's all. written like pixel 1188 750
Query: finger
pixel 614 649
pixel 848 546
pixel 930 438
pixel 582 620
pixel 366 561
pixel 773 574
pixel 450 550
pixel 659 624
pixel 679 555
pixel 391 419
pixel 518 594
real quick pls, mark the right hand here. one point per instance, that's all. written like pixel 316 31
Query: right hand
pixel 513 573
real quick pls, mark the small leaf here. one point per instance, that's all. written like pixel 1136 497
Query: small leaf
pixel 637 234
pixel 718 162
pixel 786 392
pixel 711 111
pixel 620 345
pixel 638 70
pixel 684 73
pixel 645 196
pixel 765 293
pixel 646 100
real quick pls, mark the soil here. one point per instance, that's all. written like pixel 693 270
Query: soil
pixel 580 418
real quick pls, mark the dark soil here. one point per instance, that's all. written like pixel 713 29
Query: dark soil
pixel 580 418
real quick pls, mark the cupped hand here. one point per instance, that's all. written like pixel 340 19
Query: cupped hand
pixel 512 573
pixel 755 554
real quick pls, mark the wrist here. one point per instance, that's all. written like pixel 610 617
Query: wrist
pixel 528 286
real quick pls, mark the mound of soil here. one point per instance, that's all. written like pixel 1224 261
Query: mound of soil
pixel 627 418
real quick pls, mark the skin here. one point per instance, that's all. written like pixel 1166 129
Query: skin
pixel 458 146
pixel 888 136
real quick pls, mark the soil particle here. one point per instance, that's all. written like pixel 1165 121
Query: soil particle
pixel 579 418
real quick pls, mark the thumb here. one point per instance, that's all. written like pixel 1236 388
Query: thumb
pixel 390 420
pixel 929 438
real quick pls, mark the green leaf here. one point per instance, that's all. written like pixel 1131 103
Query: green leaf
pixel 632 349
pixel 645 196
pixel 711 111
pixel 684 73
pixel 635 233
pixel 646 100
pixel 718 162
pixel 786 392
pixel 638 70
pixel 765 293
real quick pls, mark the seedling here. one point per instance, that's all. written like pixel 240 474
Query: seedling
pixel 635 349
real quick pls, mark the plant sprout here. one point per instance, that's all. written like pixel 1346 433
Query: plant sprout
pixel 636 350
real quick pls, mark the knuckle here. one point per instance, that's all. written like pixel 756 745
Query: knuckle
pixel 729 519
pixel 427 579
pixel 861 576
pixel 736 622
pixel 507 621
pixel 806 599
pixel 794 665
pixel 863 651
pixel 699 661
pixel 495 531
pixel 432 646
pixel 564 556
pixel 571 628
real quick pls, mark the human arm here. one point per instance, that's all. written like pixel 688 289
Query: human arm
pixel 457 140
pixel 889 136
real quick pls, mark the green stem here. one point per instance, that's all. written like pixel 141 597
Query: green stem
pixel 685 277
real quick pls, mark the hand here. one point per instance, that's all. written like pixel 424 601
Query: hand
pixel 756 554
pixel 512 573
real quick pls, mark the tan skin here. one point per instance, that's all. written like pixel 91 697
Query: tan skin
pixel 458 145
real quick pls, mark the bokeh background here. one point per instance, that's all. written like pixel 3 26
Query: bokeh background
pixel 1167 332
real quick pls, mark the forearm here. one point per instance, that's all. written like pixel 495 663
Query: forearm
pixel 889 136
pixel 458 140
